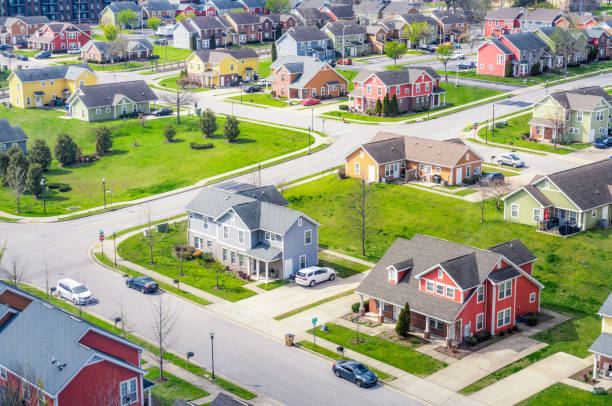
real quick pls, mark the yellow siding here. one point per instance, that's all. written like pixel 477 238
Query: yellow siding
pixel 607 325
pixel 21 93
pixel 228 66
pixel 195 64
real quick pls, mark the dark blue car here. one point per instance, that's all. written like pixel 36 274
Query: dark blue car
pixel 144 284
pixel 355 372
pixel 603 143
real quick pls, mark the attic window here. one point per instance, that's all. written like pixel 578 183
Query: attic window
pixel 392 275
pixel 300 222
pixel 440 274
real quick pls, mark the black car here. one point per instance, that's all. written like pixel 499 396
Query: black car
pixel 355 372
pixel 145 284
pixel 252 89
pixel 492 178
pixel 162 112
pixel 160 42
pixel 43 55
pixel 467 65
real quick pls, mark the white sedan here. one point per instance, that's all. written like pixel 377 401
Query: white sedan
pixel 314 274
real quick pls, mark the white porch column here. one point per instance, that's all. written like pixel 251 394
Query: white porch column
pixel 248 265
pixel 149 398
pixel 594 366
pixel 427 324
pixel 267 272
pixel 257 267
pixel 381 306
pixel 361 307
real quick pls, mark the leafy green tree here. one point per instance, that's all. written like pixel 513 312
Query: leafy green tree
pixel 65 150
pixel 535 69
pixel 402 328
pixel 154 23
pixel 378 108
pixel 395 50
pixel 185 16
pixel 508 70
pixel 193 43
pixel 208 123
pixel 279 32
pixel 127 18
pixel 104 142
pixel 16 176
pixel 35 174
pixel 40 153
pixel 18 158
pixel 386 106
pixel 231 130
pixel 394 105
pixel 169 132
pixel 273 52
pixel 110 32
pixel 567 42
pixel 415 32
pixel 445 52
pixel 278 6
pixel 4 163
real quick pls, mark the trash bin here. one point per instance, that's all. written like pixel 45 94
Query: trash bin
pixel 289 339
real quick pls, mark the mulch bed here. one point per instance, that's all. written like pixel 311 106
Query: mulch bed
pixel 579 376
pixel 363 321
pixel 456 353
pixel 393 337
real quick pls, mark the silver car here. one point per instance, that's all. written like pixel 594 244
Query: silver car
pixel 510 159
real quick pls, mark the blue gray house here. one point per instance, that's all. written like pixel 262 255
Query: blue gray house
pixel 12 136
pixel 251 230
pixel 305 41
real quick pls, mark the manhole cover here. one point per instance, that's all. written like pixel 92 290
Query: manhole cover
pixel 73 208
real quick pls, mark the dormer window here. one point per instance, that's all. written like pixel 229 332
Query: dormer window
pixel 392 274
pixel 440 274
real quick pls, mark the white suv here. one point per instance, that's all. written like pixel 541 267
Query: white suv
pixel 314 274
pixel 74 291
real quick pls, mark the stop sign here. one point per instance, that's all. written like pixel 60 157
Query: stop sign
pixel 101 237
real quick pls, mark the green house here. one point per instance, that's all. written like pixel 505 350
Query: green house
pixel 581 197
pixel 580 115
pixel 350 36
pixel 111 101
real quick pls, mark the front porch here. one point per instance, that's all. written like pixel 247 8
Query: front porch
pixel 560 221
pixel 547 129
pixel 264 262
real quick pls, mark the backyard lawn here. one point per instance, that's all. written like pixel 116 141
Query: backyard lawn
pixel 198 275
pixel 399 356
pixel 171 54
pixel 140 163
pixel 166 393
pixel 170 83
pixel 561 394
pixel 516 127
pixel 259 98
pixel 264 69
pixel 349 75
pixel 343 268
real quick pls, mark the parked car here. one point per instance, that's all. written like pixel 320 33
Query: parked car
pixel 162 112
pixel 492 178
pixel 603 143
pixel 43 55
pixel 264 82
pixel 160 42
pixel 4 47
pixel 73 51
pixel 345 61
pixel 510 159
pixel 467 65
pixel 252 89
pixel 144 284
pixel 74 291
pixel 457 55
pixel 22 57
pixel 314 274
pixel 310 102
pixel 355 372
pixel 332 63
pixel 457 46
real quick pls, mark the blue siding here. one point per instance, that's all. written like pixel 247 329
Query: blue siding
pixel 21 144
pixel 294 246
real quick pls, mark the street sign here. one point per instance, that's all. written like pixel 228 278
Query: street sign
pixel 101 237
pixel 101 232
pixel 314 321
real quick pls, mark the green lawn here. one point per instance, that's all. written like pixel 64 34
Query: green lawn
pixel 166 393
pixel 349 75
pixel 170 83
pixel 264 69
pixel 343 268
pixel 561 394
pixel 273 285
pixel 311 305
pixel 27 52
pixel 141 163
pixel 135 250
pixel 4 78
pixel 394 67
pixel 516 127
pixel 108 67
pixel 259 98
pixel 399 356
pixel 170 54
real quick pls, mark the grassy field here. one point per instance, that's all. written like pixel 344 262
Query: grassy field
pixel 349 75
pixel 343 268
pixel 561 394
pixel 170 83
pixel 166 393
pixel 170 54
pixel 4 78
pixel 196 274
pixel 108 67
pixel 259 98
pixel 140 163
pixel 29 53
pixel 264 69
pixel 516 127
pixel 399 356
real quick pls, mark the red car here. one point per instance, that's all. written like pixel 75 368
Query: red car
pixel 310 102
pixel 345 61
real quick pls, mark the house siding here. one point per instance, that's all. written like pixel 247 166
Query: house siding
pixel 487 61
pixel 525 288
pixel 294 247
pixel 364 163
pixel 23 145
pixel 111 347
pixel 526 205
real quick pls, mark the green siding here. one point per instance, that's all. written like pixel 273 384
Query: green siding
pixel 80 112
pixel 591 221
pixel 526 205
pixel 557 197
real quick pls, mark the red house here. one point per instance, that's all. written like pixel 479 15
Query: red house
pixel 503 20
pixel 521 50
pixel 413 87
pixel 454 291
pixel 69 362
pixel 60 37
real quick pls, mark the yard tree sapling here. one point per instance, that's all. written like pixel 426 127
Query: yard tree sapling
pixel 402 328
pixel 4 163
pixel 150 236
pixel 231 129
pixel 169 132
pixel 40 153
pixel 178 97
pixel 154 23
pixel 445 52
pixel 65 150
pixel 127 18
pixel 361 212
pixel 208 123
pixel 415 32
pixel 395 50
pixel 104 141
pixel 164 321
pixel 14 271
pixel 110 32
pixel 16 175
pixel 35 174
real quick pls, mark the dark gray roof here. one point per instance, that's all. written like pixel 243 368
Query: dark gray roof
pixel 603 345
pixel 547 30
pixel 243 18
pixel 387 150
pixel 239 53
pixel 52 72
pixel 606 308
pixel 398 7
pixel 312 13
pixel 226 400
pixel 180 402
pixel 584 98
pixel 503 274
pixel 417 18
pixel 448 17
pixel 9 133
pixel 541 14
pixel 368 6
pixel 33 20
pixel 338 27
pixel 264 252
pixel 401 76
pixel 501 46
pixel 226 4
pixel 119 6
pixel 108 94
pixel 341 10
pixel 515 251
pixel 206 22
pixel 525 41
pixel 426 252
pixel 159 5
pixel 306 33
pixel 268 194
pixel 505 13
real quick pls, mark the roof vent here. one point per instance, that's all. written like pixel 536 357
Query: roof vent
pixel 511 245
pixel 392 148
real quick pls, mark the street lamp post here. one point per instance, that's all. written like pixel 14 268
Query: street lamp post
pixel 308 140
pixel 212 354
pixel 111 198
pixel 312 118
pixel 42 183
pixel 493 122
pixel 115 246
pixel 104 192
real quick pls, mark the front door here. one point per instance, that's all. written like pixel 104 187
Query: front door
pixel 288 268
pixel 38 101
pixel 604 212
pixel 592 135
pixel 466 329
pixel 428 173
pixel 371 173
pixel 562 216
pixel 458 176
pixel 396 312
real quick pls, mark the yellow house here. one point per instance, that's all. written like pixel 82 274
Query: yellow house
pixel 39 87
pixel 222 67
pixel 602 347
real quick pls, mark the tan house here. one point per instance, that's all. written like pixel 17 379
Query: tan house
pixel 102 51
pixel 303 77
pixel 377 38
pixel 17 30
pixel 388 157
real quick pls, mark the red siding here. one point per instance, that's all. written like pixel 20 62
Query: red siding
pixel 112 347
pixel 15 382
pixel 527 267
pixel 469 313
pixel 507 302
pixel 524 288
pixel 487 61
pixel 446 280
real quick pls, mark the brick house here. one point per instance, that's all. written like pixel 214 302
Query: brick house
pixel 388 157
pixel 502 21
pixel 254 6
pixel 245 28
pixel 60 37
pixel 99 51
pixel 539 18
pixel 204 28
pixel 162 9
pixel 600 38
pixel 602 347
pixel 414 88
pixel 454 291
pixel 17 30
pixel 72 357
pixel 377 38
pixel 522 51
pixel 302 77
pixel 394 9
pixel 368 11
pixel 452 26
pixel 430 36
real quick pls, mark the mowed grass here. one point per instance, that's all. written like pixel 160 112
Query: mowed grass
pixel 196 274
pixel 170 83
pixel 343 267
pixel 517 127
pixel 259 98
pixel 4 78
pixel 399 356
pixel 166 393
pixel 264 69
pixel 349 75
pixel 561 394
pixel 140 163
pixel 171 54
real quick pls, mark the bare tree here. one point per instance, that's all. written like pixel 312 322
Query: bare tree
pixel 150 236
pixel 104 391
pixel 179 97
pixel 19 392
pixel 14 271
pixel 361 212
pixel 125 322
pixel 16 177
pixel 164 321
pixel 491 189
pixel 119 47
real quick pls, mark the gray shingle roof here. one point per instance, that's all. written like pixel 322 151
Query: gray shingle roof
pixel 9 133
pixel 52 72
pixel 398 77
pixel 515 251
pixel 107 94
pixel 341 10
pixel 584 98
pixel 398 7
pixel 268 194
pixel 226 4
pixel 254 3
pixel 503 274
pixel 368 7
pixel 338 27
pixel 33 20
pixel 226 400
pixel 243 18
pixel 606 308
pixel 417 18
pixel 504 13
pixel 603 345
pixel 448 17
pixel 501 46
pixel 119 6
pixel 525 41
pixel 312 13
pixel 306 33
pixel 460 269
pixel 541 14
pixel 159 5
pixel 206 22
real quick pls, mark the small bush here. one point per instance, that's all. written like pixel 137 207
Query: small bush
pixel 196 145
pixel 483 336
pixel 343 107
pixel 207 257
pixel 355 307
pixel 415 341
pixel 187 251
pixel 532 320
pixel 197 254
pixel 342 173
pixel 53 185
pixel 64 188
pixel 471 341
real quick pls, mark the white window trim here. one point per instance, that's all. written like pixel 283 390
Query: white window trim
pixel 309 234
pixel 429 283
pixel 442 286
pixel 480 288
pixel 501 290
pixel 357 168
pixel 303 256
pixel 482 321
pixel 503 312
pixel 512 206
pixel 225 232
pixel 450 290
pixel 532 295
pixel 131 400
pixel 539 212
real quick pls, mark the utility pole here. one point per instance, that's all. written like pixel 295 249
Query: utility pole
pixel 493 121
